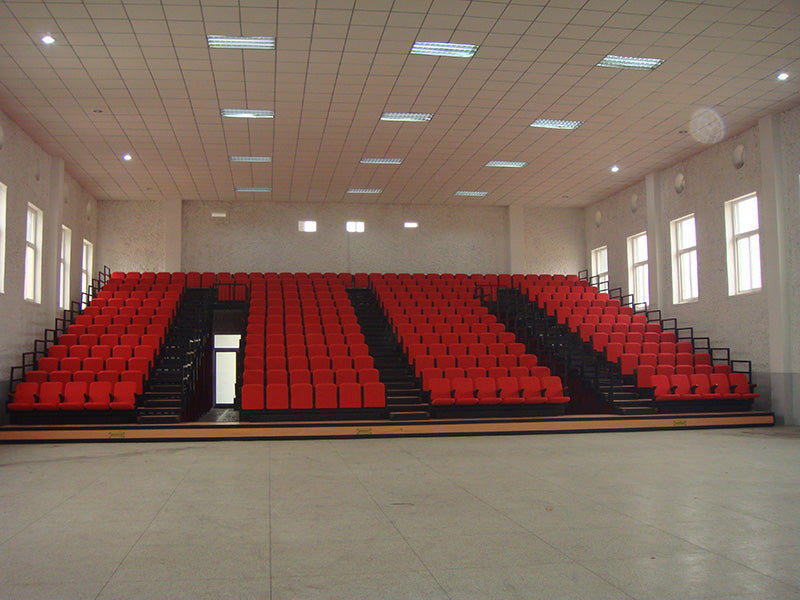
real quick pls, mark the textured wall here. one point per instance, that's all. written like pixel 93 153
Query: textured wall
pixel 130 236
pixel 617 221
pixel 265 237
pixel 33 176
pixel 790 128
pixel 555 241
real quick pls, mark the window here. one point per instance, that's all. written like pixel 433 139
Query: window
pixel 64 267
pixel 684 260
pixel 744 247
pixel 2 238
pixel 638 268
pixel 307 226
pixel 32 287
pixel 87 263
pixel 354 226
pixel 600 266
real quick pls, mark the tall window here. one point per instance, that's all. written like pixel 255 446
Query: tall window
pixel 64 267
pixel 2 238
pixel 32 287
pixel 87 260
pixel 684 260
pixel 600 266
pixel 744 248
pixel 638 268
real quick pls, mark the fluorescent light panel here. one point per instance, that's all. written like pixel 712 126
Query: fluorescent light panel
pixel 307 226
pixel 444 49
pixel 253 189
pixel 243 113
pixel 410 224
pixel 470 193
pixel 354 226
pixel 241 42
pixel 381 161
pixel 630 62
pixel 506 163
pixel 251 159
pixel 364 191
pixel 556 124
pixel 396 116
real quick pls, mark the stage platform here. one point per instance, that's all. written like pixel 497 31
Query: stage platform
pixel 295 430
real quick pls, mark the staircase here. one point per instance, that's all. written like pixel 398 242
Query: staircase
pixel 170 386
pixel 404 398
pixel 564 350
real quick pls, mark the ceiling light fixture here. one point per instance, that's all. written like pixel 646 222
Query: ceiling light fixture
pixel 218 215
pixel 506 163
pixel 556 124
pixel 364 191
pixel 410 224
pixel 615 169
pixel 444 49
pixel 127 157
pixel 783 76
pixel 241 42
pixel 397 116
pixel 251 159
pixel 381 161
pixel 253 189
pixel 48 39
pixel 243 113
pixel 470 193
pixel 630 62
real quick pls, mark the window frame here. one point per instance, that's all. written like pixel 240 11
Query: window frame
pixel 354 226
pixel 86 270
pixel 734 237
pixel 64 267
pixel 3 236
pixel 637 266
pixel 680 255
pixel 32 276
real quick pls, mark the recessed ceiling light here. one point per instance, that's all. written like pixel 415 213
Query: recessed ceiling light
pixel 470 193
pixel 556 124
pixel 126 157
pixel 396 116
pixel 506 163
pixel 615 169
pixel 253 189
pixel 381 161
pixel 783 76
pixel 243 113
pixel 364 191
pixel 410 224
pixel 630 62
pixel 241 42
pixel 253 159
pixel 444 49
pixel 218 214
pixel 48 39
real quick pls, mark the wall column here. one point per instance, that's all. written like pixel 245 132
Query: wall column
pixel 657 249
pixel 516 239
pixel 173 225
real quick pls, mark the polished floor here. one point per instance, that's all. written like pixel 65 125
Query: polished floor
pixel 673 514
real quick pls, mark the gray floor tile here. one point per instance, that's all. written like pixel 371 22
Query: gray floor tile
pixel 408 585
pixel 189 589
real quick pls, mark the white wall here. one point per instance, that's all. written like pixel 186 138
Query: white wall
pixel 31 175
pixel 130 235
pixel 554 241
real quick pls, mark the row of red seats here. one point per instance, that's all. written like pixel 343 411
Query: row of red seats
pixel 323 375
pixel 303 351
pixel 644 372
pixel 302 362
pixel 67 340
pixel 136 376
pixel 73 396
pixel 305 396
pixel 430 373
pixel 468 361
pixel 716 386
pixel 505 390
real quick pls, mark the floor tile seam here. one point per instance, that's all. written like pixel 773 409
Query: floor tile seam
pixel 394 525
pixel 752 516
pixel 144 531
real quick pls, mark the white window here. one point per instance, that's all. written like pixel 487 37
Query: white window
pixel 307 226
pixel 87 264
pixel 600 266
pixel 638 268
pixel 64 260
pixel 744 247
pixel 684 260
pixel 32 287
pixel 2 238
pixel 354 226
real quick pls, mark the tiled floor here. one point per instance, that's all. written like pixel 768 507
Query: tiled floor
pixel 687 514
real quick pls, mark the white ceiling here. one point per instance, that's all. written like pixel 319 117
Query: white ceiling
pixel 137 76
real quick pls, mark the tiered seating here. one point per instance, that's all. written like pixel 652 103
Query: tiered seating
pixel 304 348
pixel 461 354
pixel 103 359
pixel 640 349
